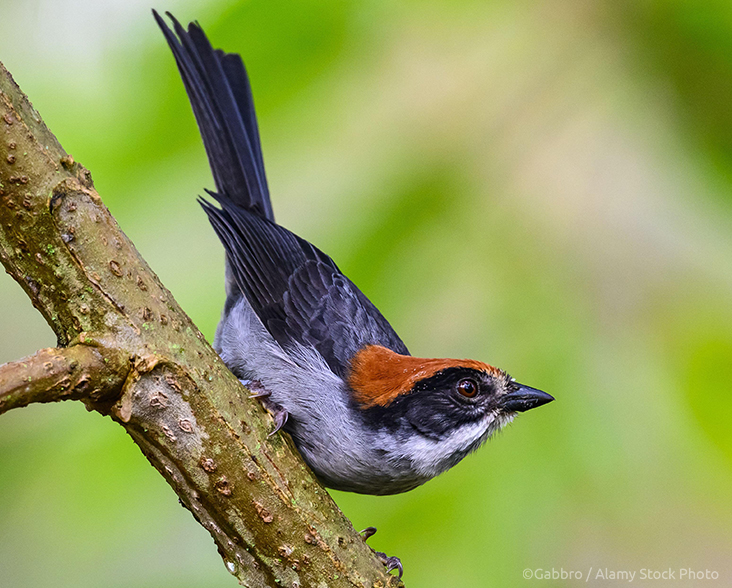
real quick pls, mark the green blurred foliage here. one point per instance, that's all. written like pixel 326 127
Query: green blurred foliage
pixel 541 185
pixel 688 45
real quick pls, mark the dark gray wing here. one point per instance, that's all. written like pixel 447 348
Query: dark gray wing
pixel 296 290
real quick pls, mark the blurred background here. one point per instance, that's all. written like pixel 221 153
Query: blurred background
pixel 545 186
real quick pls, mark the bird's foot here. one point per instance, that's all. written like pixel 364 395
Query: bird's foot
pixel 256 388
pixel 391 563
pixel 259 392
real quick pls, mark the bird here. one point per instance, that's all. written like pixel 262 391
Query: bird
pixel 365 415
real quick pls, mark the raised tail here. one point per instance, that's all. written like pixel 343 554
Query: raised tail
pixel 219 91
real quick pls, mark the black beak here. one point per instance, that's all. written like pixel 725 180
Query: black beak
pixel 521 398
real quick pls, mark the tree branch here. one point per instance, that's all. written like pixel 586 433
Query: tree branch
pixel 74 373
pixel 156 375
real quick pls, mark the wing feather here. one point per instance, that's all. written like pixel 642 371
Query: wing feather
pixel 297 291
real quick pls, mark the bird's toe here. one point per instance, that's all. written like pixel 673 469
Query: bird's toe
pixel 279 415
pixel 256 388
pixel 368 532
pixel 391 563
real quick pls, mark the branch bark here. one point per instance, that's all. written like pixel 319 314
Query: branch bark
pixel 129 351
pixel 72 373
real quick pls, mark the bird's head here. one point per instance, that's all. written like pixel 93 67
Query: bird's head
pixel 446 407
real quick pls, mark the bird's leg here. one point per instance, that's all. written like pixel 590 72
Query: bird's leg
pixel 391 563
pixel 259 392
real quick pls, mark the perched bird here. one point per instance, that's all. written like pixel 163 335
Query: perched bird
pixel 365 415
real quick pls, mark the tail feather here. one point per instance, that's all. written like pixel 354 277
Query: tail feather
pixel 221 97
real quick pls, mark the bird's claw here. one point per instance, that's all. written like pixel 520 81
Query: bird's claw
pixel 368 532
pixel 391 563
pixel 256 388
pixel 279 415
pixel 262 394
pixel 259 392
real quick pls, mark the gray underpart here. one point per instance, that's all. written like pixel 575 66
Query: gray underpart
pixel 325 425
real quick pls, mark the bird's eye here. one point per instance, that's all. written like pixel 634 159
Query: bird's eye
pixel 467 387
